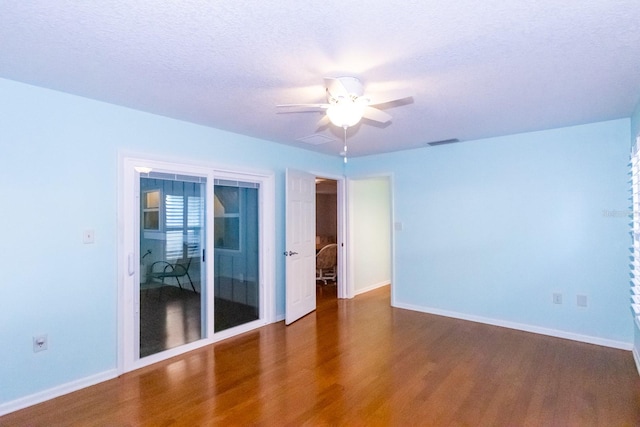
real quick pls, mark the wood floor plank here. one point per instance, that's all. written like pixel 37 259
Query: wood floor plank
pixel 361 362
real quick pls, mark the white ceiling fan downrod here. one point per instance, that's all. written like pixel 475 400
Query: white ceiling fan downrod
pixel 345 143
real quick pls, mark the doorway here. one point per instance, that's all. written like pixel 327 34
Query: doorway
pixel 327 263
pixel 370 233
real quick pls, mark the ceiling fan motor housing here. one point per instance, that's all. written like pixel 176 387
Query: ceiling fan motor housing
pixel 352 85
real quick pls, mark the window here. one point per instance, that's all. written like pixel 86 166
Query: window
pixel 172 212
pixel 151 210
pixel 226 214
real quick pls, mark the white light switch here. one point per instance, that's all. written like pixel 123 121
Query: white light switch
pixel 397 226
pixel 88 236
pixel 581 300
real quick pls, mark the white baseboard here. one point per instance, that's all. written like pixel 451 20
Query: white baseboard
pixel 57 391
pixel 521 327
pixel 370 288
pixel 72 386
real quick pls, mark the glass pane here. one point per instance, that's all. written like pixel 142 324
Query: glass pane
pixel 152 199
pixel 227 200
pixel 227 233
pixel 152 220
pixel 172 309
pixel 236 288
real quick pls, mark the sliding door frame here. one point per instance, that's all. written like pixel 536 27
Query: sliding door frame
pixel 130 167
pixel 266 243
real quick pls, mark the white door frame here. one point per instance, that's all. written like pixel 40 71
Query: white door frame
pixel 267 232
pixel 345 287
pixel 394 227
pixel 130 168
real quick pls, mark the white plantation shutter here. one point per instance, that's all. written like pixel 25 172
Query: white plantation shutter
pixel 635 230
pixel 174 222
pixel 195 219
pixel 194 214
pixel 174 211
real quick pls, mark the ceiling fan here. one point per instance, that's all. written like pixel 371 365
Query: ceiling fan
pixel 346 104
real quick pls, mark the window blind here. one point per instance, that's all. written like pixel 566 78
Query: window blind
pixel 635 230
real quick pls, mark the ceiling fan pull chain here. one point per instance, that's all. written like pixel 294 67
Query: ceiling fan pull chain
pixel 345 143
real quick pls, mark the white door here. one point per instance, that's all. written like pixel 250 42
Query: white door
pixel 300 250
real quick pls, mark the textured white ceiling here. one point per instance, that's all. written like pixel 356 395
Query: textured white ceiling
pixel 476 69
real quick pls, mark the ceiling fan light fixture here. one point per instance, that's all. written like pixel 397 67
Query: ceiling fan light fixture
pixel 345 114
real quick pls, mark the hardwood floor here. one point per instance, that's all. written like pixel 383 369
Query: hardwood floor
pixel 360 362
pixel 170 317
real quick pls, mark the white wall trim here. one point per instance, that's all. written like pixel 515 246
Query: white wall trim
pixel 57 391
pixel 372 287
pixel 521 327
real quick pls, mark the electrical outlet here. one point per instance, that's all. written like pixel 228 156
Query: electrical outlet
pixel 40 343
pixel 557 298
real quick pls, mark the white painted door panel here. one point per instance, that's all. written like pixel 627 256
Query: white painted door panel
pixel 300 245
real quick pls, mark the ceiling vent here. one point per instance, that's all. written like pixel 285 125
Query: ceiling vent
pixel 316 139
pixel 443 142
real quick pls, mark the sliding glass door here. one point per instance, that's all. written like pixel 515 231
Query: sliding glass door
pixel 172 274
pixel 196 259
pixel 236 254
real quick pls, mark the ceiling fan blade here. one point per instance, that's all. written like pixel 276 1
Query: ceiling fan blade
pixel 336 88
pixel 321 106
pixel 324 121
pixel 301 108
pixel 389 97
pixel 376 115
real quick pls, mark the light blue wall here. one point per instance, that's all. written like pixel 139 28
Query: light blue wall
pixel 635 123
pixel 58 174
pixel 492 228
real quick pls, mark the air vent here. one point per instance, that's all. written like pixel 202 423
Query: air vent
pixel 316 139
pixel 443 142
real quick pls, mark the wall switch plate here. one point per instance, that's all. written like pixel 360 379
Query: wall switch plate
pixel 40 343
pixel 557 298
pixel 581 300
pixel 88 236
pixel 397 226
